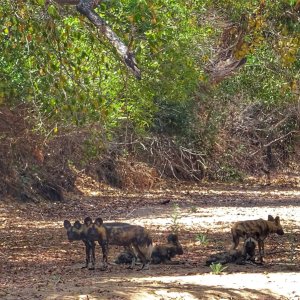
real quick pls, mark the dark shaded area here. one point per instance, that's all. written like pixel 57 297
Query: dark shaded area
pixel 29 168
pixel 49 191
pixel 107 173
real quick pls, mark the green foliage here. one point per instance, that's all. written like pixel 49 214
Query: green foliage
pixel 193 209
pixel 229 173
pixel 52 59
pixel 202 239
pixel 218 268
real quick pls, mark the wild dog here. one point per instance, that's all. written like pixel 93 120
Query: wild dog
pixel 125 257
pixel 160 253
pixel 239 257
pixel 164 253
pixel 249 249
pixel 130 236
pixel 78 232
pixel 256 229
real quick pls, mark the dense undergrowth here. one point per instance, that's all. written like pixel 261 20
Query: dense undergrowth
pixel 218 99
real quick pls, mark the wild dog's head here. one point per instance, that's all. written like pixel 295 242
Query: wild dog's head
pixel 276 227
pixel 77 231
pixel 96 230
pixel 174 242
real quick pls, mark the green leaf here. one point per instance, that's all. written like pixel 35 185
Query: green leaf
pixel 41 2
pixel 52 11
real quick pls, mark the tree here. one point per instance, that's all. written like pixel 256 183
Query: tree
pixel 86 8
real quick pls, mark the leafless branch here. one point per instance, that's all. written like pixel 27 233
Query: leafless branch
pixel 281 138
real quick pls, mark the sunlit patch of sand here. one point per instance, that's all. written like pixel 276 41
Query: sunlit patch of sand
pixel 282 283
pixel 164 294
pixel 189 287
pixel 218 218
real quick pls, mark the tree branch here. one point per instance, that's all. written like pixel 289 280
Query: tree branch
pixel 86 8
pixel 280 138
pixel 66 2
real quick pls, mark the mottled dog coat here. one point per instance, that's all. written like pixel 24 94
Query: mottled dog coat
pixel 239 257
pixel 78 231
pixel 135 238
pixel 257 229
pixel 160 254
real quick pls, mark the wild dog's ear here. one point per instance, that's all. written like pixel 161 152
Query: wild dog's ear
pixel 88 221
pixel 77 224
pixel 277 220
pixel 67 224
pixel 98 221
pixel 270 218
pixel 172 238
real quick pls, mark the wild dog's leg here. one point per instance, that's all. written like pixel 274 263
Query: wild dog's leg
pixel 132 263
pixel 134 258
pixel 145 262
pixel 235 239
pixel 87 254
pixel 92 254
pixel 104 247
pixel 263 247
pixel 260 249
pixel 244 252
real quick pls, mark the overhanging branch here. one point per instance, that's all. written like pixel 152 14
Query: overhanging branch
pixel 66 2
pixel 86 8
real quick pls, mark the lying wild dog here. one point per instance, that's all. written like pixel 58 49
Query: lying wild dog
pixel 164 253
pixel 78 232
pixel 125 257
pixel 130 236
pixel 160 253
pixel 257 229
pixel 240 257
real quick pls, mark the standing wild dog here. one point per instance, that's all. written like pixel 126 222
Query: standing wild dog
pixel 130 236
pixel 78 232
pixel 256 229
pixel 160 253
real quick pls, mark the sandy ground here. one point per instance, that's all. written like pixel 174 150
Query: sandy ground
pixel 37 261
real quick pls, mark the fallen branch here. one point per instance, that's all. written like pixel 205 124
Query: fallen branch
pixel 280 138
